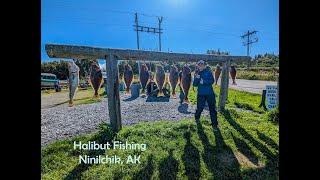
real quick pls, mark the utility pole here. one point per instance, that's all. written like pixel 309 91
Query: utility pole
pixel 248 37
pixel 148 29
pixel 136 21
pixel 159 22
pixel 137 24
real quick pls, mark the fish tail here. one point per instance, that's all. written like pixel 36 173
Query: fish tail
pixel 160 93
pixel 96 93
pixel 71 103
pixel 186 100
pixel 127 90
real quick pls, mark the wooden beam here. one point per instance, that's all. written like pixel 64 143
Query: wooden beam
pixel 224 86
pixel 86 52
pixel 113 92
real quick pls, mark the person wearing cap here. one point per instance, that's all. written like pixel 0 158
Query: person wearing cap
pixel 204 80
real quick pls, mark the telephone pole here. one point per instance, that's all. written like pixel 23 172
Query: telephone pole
pixel 249 40
pixel 136 21
pixel 148 29
pixel 159 22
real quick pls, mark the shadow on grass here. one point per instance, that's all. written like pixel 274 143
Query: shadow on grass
pixel 191 158
pixel 268 140
pixel 220 160
pixel 146 172
pixel 168 168
pixel 105 135
pixel 183 108
pixel 243 147
pixel 271 167
pixel 266 152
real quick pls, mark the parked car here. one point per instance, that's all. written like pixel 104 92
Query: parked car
pixel 50 81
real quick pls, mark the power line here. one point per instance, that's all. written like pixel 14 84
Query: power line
pixel 148 29
pixel 248 37
pixel 105 10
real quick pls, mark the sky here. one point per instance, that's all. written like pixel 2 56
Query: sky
pixel 190 26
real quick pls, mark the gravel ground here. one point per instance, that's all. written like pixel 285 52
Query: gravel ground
pixel 61 122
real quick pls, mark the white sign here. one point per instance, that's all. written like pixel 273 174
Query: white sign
pixel 271 96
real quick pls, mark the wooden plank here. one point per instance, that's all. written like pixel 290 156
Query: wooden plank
pixel 224 85
pixel 113 92
pixel 86 52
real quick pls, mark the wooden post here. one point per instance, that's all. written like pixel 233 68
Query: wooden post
pixel 113 92
pixel 224 85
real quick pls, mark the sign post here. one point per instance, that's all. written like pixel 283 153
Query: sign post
pixel 271 96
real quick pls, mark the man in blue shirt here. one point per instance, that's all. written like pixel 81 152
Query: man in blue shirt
pixel 204 80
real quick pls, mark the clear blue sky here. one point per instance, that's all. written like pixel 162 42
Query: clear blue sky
pixel 192 26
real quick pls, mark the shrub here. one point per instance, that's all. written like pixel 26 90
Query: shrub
pixel 273 115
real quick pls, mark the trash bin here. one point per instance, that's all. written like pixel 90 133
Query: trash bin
pixel 121 86
pixel 135 90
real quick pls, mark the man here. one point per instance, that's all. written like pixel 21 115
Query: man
pixel 204 80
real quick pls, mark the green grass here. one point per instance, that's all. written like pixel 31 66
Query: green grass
pixel 51 91
pixel 253 74
pixel 87 96
pixel 245 146
pixel 236 99
pixel 177 150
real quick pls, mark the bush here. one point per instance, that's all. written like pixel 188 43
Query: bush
pixel 273 115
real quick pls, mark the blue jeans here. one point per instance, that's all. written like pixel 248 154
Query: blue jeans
pixel 211 100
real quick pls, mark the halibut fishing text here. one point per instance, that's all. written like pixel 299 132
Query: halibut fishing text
pixel 104 159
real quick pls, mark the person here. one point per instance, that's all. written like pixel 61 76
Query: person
pixel 204 80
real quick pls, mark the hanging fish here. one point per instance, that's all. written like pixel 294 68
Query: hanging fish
pixel 217 73
pixel 186 81
pixel 196 72
pixel 128 76
pixel 233 74
pixel 95 78
pixel 144 76
pixel 160 77
pixel 173 78
pixel 73 80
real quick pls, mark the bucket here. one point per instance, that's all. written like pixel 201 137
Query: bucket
pixel 121 86
pixel 135 90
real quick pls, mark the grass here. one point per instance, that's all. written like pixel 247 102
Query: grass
pixel 51 91
pixel 236 99
pixel 86 96
pixel 83 96
pixel 258 74
pixel 246 146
